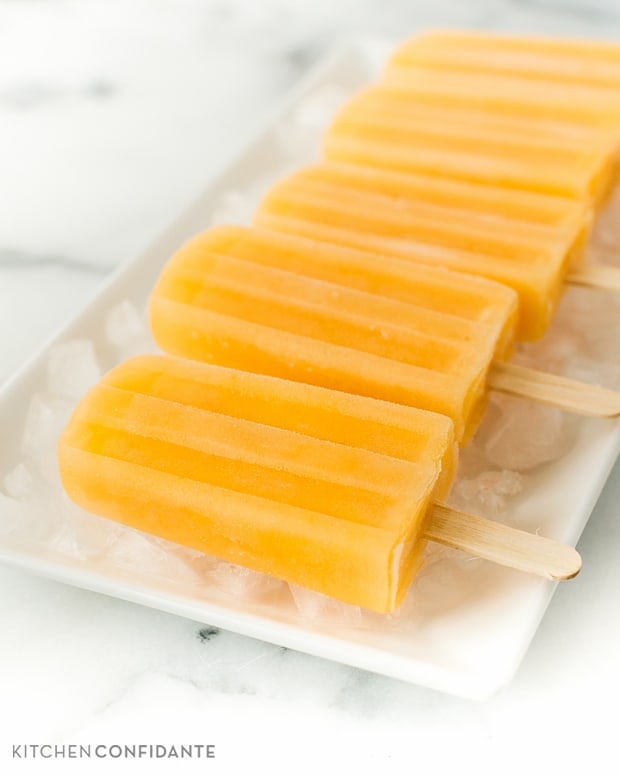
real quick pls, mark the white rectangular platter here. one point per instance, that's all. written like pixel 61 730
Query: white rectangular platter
pixel 468 624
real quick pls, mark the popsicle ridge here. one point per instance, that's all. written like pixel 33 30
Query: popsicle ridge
pixel 483 201
pixel 398 220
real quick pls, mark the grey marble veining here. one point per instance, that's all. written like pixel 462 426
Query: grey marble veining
pixel 17 259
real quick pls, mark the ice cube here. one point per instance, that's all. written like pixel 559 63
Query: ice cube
pixel 554 351
pixel 13 515
pixel 593 371
pixel 63 538
pixel 151 556
pixel 127 331
pixel 528 435
pixel 19 482
pixel 122 322
pixel 83 534
pixel 72 368
pixel 242 582
pixel 45 420
pixel 40 426
pixel 35 519
pixel 233 207
pixel 46 417
pixel 315 607
pixel 447 584
pixel 504 482
pixel 594 316
pixel 583 340
pixel 488 493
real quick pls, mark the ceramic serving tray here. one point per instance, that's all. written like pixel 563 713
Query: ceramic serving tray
pixel 467 625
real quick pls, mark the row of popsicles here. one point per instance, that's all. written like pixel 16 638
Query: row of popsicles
pixel 484 153
pixel 338 366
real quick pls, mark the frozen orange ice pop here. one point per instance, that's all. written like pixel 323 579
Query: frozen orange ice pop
pixel 339 318
pixel 544 96
pixel 466 227
pixel 429 122
pixel 495 208
pixel 474 127
pixel 313 486
pixel 569 61
pixel 323 489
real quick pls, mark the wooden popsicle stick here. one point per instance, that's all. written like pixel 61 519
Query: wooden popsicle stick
pixel 502 544
pixel 579 397
pixel 596 276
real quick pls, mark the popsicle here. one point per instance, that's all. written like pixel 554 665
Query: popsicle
pixel 323 489
pixel 447 223
pixel 464 126
pixel 436 122
pixel 544 96
pixel 327 490
pixel 569 61
pixel 495 209
pixel 297 309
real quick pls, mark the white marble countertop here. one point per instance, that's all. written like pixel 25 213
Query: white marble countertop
pixel 113 115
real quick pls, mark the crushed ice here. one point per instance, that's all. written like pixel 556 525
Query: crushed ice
pixel 72 368
pixel 488 493
pixel 232 207
pixel 312 607
pixel 527 435
pixel 242 582
pixel 126 331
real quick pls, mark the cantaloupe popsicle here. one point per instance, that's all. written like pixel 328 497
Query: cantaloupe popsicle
pixel 363 209
pixel 394 130
pixel 478 125
pixel 568 61
pixel 338 318
pixel 591 104
pixel 314 486
pixel 495 207
pixel 405 125
pixel 497 220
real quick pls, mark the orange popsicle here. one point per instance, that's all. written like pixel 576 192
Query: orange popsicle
pixel 452 225
pixel 476 127
pixel 314 486
pixel 569 61
pixel 394 130
pixel 335 317
pixel 544 96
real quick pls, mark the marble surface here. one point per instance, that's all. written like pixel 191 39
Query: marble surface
pixel 113 115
